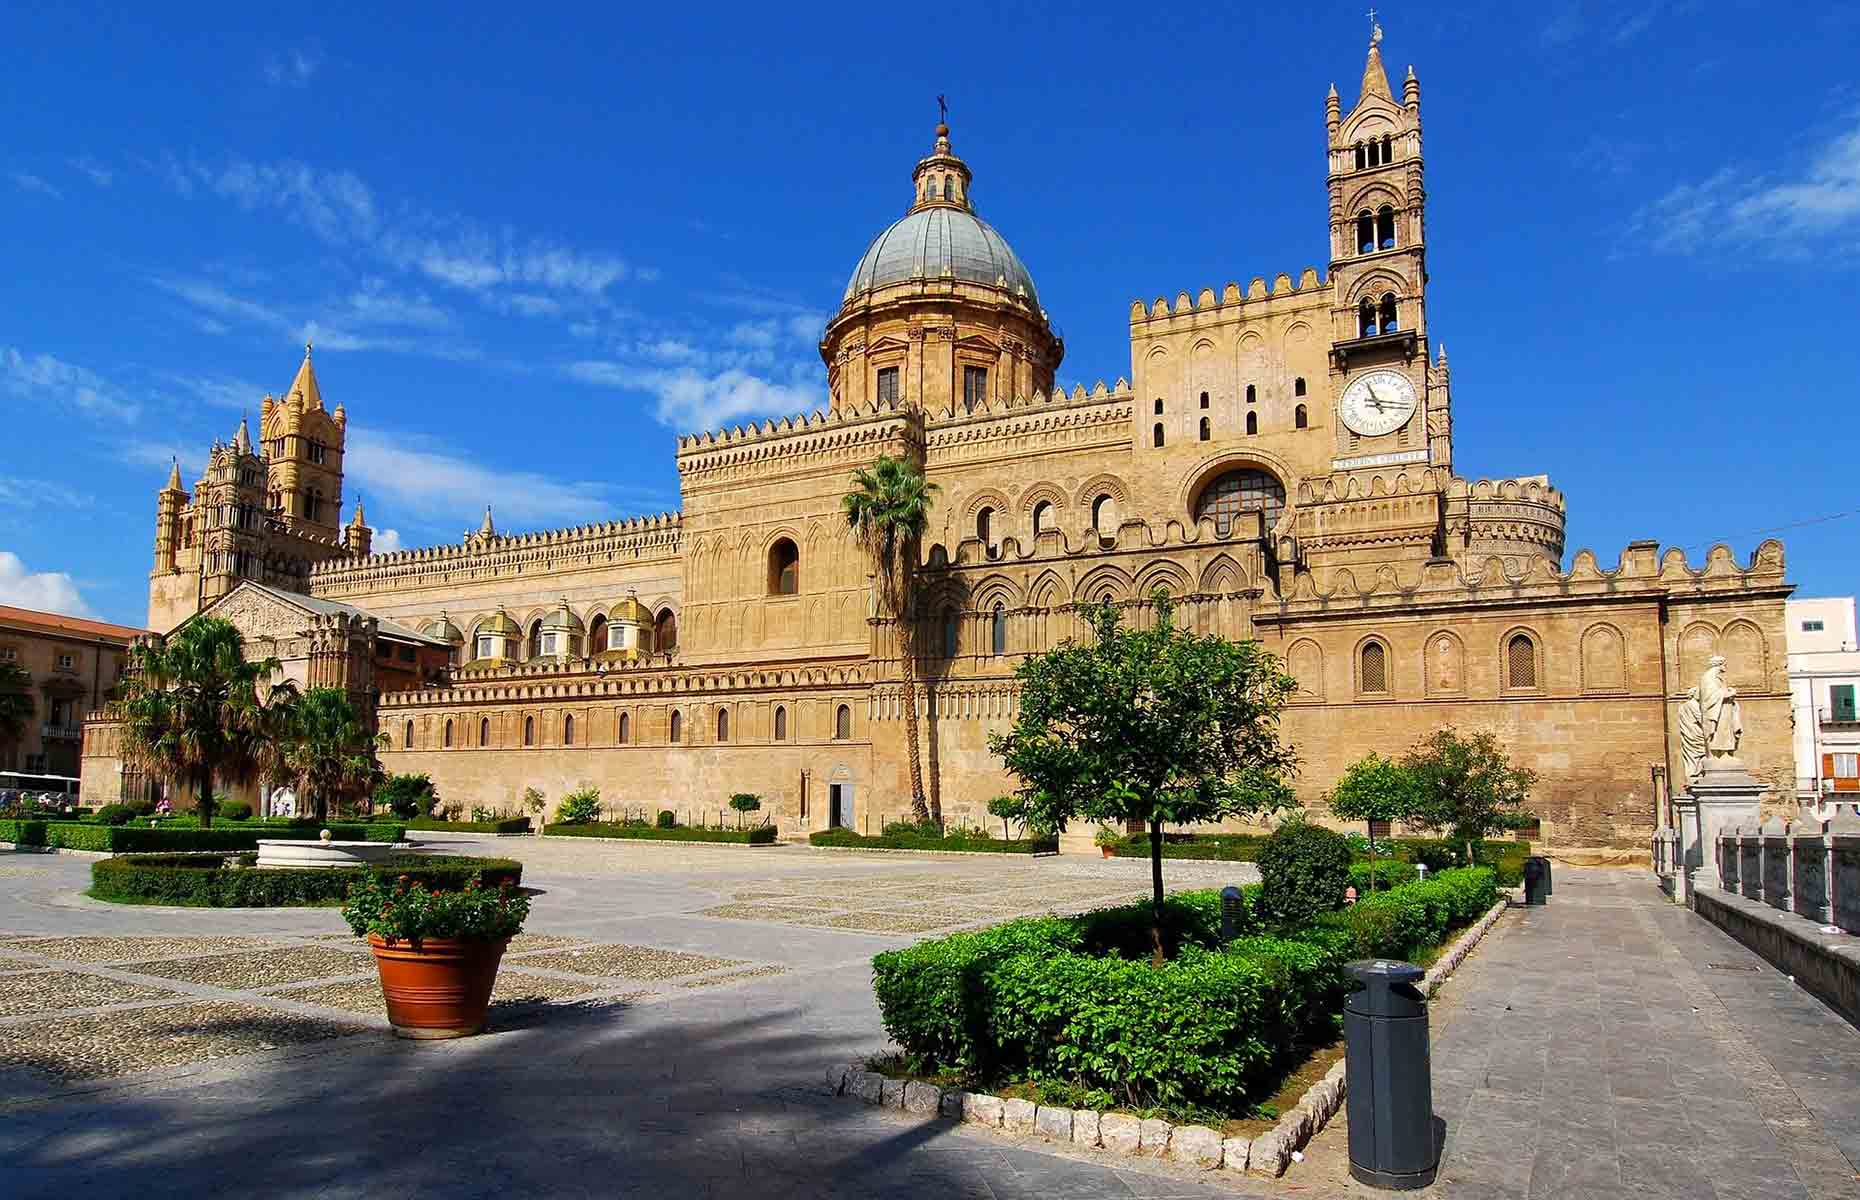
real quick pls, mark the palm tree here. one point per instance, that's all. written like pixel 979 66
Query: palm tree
pixel 888 510
pixel 330 751
pixel 191 709
pixel 16 707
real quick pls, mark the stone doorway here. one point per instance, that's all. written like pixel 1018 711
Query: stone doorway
pixel 839 806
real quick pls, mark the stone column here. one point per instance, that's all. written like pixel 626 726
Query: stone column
pixel 1691 852
pixel 1724 797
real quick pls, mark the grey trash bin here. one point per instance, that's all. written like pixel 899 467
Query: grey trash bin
pixel 1393 1143
pixel 1536 879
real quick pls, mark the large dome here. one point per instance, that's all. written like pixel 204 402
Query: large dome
pixel 938 243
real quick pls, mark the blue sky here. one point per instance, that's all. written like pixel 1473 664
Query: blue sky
pixel 532 244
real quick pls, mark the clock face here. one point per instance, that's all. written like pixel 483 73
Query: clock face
pixel 1377 402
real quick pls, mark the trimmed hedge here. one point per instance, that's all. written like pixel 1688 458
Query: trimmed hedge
pixel 23 831
pixel 125 839
pixel 507 825
pixel 761 835
pixel 1074 999
pixel 917 841
pixel 203 880
pixel 1390 873
pixel 1222 847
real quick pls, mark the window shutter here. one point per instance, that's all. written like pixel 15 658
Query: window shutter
pixel 1827 766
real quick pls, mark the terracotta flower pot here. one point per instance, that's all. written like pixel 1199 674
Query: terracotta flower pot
pixel 439 990
pixel 1107 850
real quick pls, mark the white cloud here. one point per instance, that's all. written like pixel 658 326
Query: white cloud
pixel 221 391
pixel 1790 217
pixel 19 492
pixel 292 70
pixel 692 400
pixel 26 182
pixel 91 169
pixel 386 541
pixel 215 299
pixel 46 591
pixel 42 379
pixel 422 479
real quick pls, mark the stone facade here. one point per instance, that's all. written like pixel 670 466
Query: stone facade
pixel 72 664
pixel 1280 460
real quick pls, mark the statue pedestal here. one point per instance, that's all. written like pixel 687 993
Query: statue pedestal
pixel 1724 796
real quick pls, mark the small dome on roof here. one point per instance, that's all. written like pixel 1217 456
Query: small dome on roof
pixel 563 620
pixel 500 622
pixel 443 629
pixel 630 610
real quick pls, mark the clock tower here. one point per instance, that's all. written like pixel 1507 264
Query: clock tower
pixel 1392 404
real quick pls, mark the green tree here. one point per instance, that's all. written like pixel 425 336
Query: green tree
pixel 1467 785
pixel 1158 725
pixel 16 707
pixel 330 752
pixel 888 510
pixel 406 796
pixel 745 803
pixel 1374 789
pixel 1009 808
pixel 192 711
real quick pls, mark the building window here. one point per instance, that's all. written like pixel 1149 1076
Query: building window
pixel 529 731
pixel 888 385
pixel 67 662
pixel 1844 766
pixel 998 630
pixel 842 724
pixel 781 723
pixel 949 187
pixel 1521 661
pixel 1299 418
pixel 1385 228
pixel 1388 313
pixel 974 386
pixel 316 452
pixel 1374 673
pixel 1365 233
pixel 1298 386
pixel 484 731
pixel 1043 515
pixel 1807 627
pixel 1362 157
pixel 1156 434
pixel 313 505
pixel 9 653
pixel 1252 423
pixel 1252 394
pixel 1388 148
pixel 1206 429
pixel 984 526
pixel 546 643
pixel 1103 514
pixel 784 568
pixel 1159 406
pixel 568 731
pixel 665 632
pixel 1242 491
pixel 448 742
pixel 1380 830
pixel 723 724
pixel 623 733
pixel 678 726
pixel 1204 399
pixel 406 737
pixel 1366 318
pixel 1841 702
pixel 484 647
pixel 952 632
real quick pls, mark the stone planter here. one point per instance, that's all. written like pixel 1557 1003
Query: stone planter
pixel 439 988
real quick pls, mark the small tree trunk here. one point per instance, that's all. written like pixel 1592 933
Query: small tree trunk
pixel 919 810
pixel 1372 856
pixel 1156 889
pixel 203 799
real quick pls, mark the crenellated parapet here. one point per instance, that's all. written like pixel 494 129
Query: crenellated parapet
pixel 1507 518
pixel 655 537
pixel 1158 316
pixel 1042 421
pixel 629 680
pixel 849 433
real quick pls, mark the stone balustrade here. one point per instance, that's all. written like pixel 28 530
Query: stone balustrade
pixel 1810 868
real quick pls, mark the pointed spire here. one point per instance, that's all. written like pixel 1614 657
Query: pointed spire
pixel 242 440
pixel 487 530
pixel 942 179
pixel 359 520
pixel 1375 79
pixel 304 386
pixel 1411 89
pixel 174 476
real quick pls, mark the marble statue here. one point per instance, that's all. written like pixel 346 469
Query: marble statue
pixel 1693 742
pixel 1718 709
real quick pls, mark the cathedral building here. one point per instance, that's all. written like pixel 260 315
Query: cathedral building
pixel 1280 460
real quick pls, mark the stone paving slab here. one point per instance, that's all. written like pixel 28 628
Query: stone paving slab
pixel 628 962
pixel 96 1045
pixel 253 969
pixel 123 949
pixel 49 991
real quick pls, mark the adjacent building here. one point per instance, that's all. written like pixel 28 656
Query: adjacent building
pixel 1280 460
pixel 70 664
pixel 1824 681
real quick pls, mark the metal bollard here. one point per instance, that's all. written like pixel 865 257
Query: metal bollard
pixel 1233 913
pixel 1393 1137
pixel 1536 880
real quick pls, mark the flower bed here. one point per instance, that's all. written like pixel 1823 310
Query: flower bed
pixel 503 825
pixel 125 839
pixel 1072 1001
pixel 761 835
pixel 205 880
pixel 956 841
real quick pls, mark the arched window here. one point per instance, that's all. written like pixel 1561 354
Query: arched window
pixel 1206 428
pixel 842 723
pixel 1042 516
pixel 1373 675
pixel 952 632
pixel 723 724
pixel 984 526
pixel 1252 423
pixel 1204 399
pixel 568 731
pixel 1365 232
pixel 1362 158
pixel 1388 314
pixel 1103 514
pixel 406 740
pixel 536 639
pixel 784 568
pixel 781 723
pixel 1298 386
pixel 1375 153
pixel 997 642
pixel 624 733
pixel 1521 661
pixel 665 632
pixel 1385 228
pixel 484 731
pixel 529 731
pixel 678 726
pixel 1388 148
pixel 313 504
pixel 1299 420
pixel 1159 406
pixel 1252 394
pixel 1242 491
pixel 949 187
pixel 597 635
pixel 1366 318
pixel 448 735
pixel 1156 434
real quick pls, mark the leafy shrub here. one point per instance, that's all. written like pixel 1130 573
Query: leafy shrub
pixel 959 840
pixel 1221 847
pixel 1304 869
pixel 500 825
pixel 746 802
pixel 1403 920
pixel 115 814
pixel 1439 854
pixel 205 880
pixel 761 835
pixel 925 828
pixel 399 909
pixel 666 820
pixel 238 810
pixel 1189 919
pixel 22 832
pixel 1389 873
pixel 406 796
pixel 123 839
pixel 579 806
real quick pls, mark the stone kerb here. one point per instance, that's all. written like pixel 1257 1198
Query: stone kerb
pixel 1268 1155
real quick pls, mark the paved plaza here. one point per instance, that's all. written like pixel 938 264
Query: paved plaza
pixel 664 1025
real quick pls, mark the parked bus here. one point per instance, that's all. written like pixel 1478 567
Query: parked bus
pixel 23 789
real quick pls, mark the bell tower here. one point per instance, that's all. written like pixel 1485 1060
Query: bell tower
pixel 304 444
pixel 1392 408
